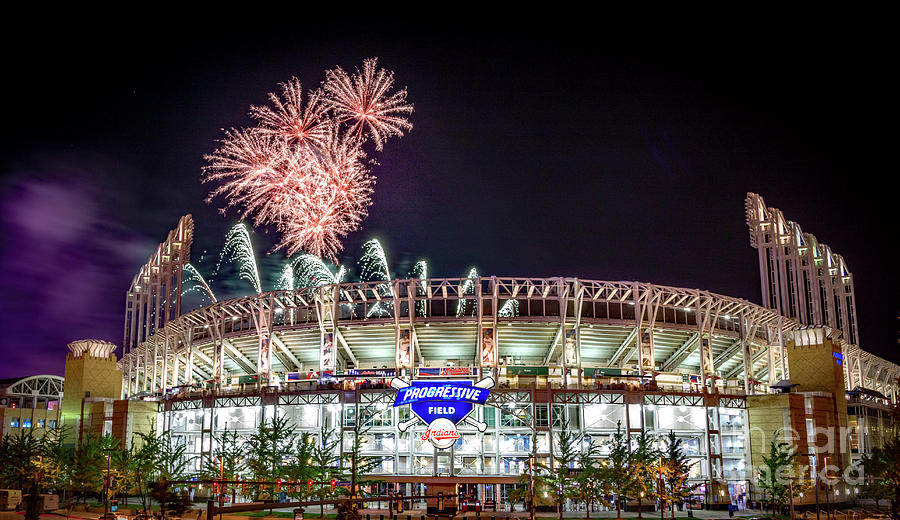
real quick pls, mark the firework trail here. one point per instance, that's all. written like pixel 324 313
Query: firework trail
pixel 373 263
pixel 420 272
pixel 311 271
pixel 509 309
pixel 302 168
pixel 239 249
pixel 468 287
pixel 286 280
pixel 197 283
pixel 365 101
pixel 374 268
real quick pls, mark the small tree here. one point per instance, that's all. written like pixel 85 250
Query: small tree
pixel 300 468
pixel 593 483
pixel 619 470
pixel 675 471
pixel 19 453
pixel 645 460
pixel 142 465
pixel 55 460
pixel 267 451
pixel 882 471
pixel 556 476
pixel 781 458
pixel 227 460
pixel 325 463
pixel 359 465
pixel 89 465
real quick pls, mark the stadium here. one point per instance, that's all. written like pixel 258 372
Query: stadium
pixel 587 355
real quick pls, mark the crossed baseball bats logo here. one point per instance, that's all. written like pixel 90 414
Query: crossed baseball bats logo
pixel 487 382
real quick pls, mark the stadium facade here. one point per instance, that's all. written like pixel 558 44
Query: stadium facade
pixel 721 372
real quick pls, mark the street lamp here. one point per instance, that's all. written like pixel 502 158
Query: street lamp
pixel 106 481
pixel 815 478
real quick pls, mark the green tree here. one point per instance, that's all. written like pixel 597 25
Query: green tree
pixel 644 460
pixel 775 486
pixel 676 468
pixel 173 463
pixel 593 483
pixel 326 463
pixel 226 461
pixel 142 465
pixel 300 469
pixel 358 465
pixel 19 455
pixel 55 460
pixel 268 451
pixel 881 469
pixel 556 476
pixel 619 468
pixel 89 463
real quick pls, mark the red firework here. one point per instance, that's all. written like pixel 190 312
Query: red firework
pixel 302 168
pixel 366 102
pixel 288 118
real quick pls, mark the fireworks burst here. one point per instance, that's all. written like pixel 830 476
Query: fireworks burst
pixel 302 168
pixel 288 118
pixel 365 100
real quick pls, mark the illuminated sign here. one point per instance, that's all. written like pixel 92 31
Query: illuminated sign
pixel 447 372
pixel 442 405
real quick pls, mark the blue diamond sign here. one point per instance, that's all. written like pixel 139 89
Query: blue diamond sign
pixel 442 405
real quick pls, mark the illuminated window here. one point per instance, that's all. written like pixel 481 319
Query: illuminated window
pixel 40 423
pixel 51 423
pixel 26 423
pixel 14 422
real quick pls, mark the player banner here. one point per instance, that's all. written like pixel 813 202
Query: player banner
pixel 404 349
pixel 328 355
pixel 571 355
pixel 488 347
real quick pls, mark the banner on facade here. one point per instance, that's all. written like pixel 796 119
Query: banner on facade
pixel 301 376
pixel 442 405
pixel 447 372
pixel 264 361
pixel 488 347
pixel 404 349
pixel 571 356
pixel 328 355
pixel 646 353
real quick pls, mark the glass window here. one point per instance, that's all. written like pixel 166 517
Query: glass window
pixel 514 415
pixel 515 443
pixel 490 442
pixel 680 418
pixel 603 416
pixel 40 423
pixel 490 417
pixel 26 423
pixel 14 422
pixel 542 415
pixel 51 423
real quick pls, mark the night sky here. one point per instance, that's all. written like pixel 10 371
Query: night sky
pixel 581 153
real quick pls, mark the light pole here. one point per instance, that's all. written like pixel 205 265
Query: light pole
pixel 815 479
pixel 531 485
pixel 106 481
